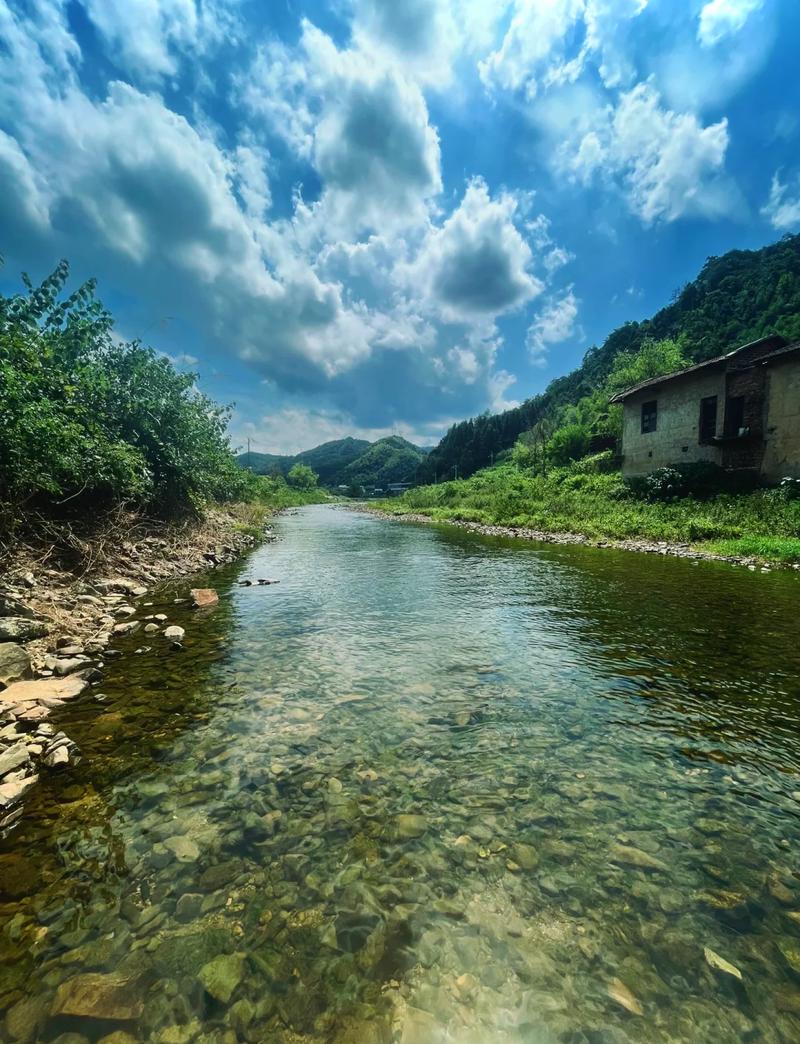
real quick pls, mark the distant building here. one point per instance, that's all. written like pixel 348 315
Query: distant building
pixel 394 489
pixel 740 410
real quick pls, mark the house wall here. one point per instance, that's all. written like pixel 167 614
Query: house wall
pixel 676 438
pixel 782 431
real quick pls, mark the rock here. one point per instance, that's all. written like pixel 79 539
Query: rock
pixel 174 633
pixel 525 856
pixel 13 757
pixel 21 629
pixel 10 606
pixel 127 628
pixel 68 649
pixel 713 960
pixel 151 628
pixel 188 907
pixel 25 1019
pixel 619 992
pixel 65 667
pixel 25 692
pixel 410 826
pixel 790 952
pixel 95 995
pixel 15 664
pixel 626 855
pixel 183 848
pixel 57 758
pixel 221 976
pixel 780 893
pixel 203 597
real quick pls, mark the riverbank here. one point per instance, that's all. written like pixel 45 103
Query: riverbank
pixel 388 510
pixel 570 505
pixel 65 596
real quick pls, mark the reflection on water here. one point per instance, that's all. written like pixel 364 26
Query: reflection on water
pixel 430 788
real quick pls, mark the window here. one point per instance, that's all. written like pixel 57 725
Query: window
pixel 708 418
pixel 734 415
pixel 649 416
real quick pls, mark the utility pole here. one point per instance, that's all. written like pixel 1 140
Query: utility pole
pixel 455 469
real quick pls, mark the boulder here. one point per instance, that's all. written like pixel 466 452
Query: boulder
pixel 15 664
pixel 21 629
pixel 12 793
pixel 70 666
pixel 30 692
pixel 174 633
pixel 95 995
pixel 127 628
pixel 203 597
pixel 410 826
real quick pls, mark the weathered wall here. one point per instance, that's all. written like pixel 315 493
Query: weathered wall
pixel 676 439
pixel 782 452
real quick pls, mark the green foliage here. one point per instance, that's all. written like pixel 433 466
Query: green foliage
pixel 736 298
pixel 568 443
pixel 601 505
pixel 301 476
pixel 388 460
pixel 86 421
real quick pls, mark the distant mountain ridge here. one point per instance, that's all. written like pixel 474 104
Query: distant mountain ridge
pixel 348 462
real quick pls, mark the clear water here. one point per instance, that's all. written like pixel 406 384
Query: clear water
pixel 429 788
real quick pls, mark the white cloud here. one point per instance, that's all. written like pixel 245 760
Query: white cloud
pixel 782 209
pixel 555 323
pixel 549 42
pixel 150 37
pixel 722 18
pixel 477 263
pixel 669 164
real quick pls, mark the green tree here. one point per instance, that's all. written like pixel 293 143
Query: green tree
pixel 301 476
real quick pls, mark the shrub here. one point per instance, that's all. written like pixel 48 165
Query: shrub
pixel 86 421
pixel 568 444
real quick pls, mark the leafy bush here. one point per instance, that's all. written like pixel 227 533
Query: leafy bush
pixel 663 484
pixel 86 421
pixel 301 476
pixel 568 443
pixel 789 488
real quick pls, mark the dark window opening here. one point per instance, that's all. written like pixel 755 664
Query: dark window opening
pixel 708 418
pixel 734 415
pixel 649 416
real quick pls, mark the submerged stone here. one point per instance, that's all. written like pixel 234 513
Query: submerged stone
pixel 713 960
pixel 222 975
pixel 411 826
pixel 619 992
pixel 95 995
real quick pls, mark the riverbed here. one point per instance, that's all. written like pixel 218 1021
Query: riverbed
pixel 432 787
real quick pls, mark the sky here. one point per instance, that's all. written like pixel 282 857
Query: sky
pixel 359 217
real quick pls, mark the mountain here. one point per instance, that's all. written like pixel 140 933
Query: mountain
pixel 736 298
pixel 388 460
pixel 331 458
pixel 348 462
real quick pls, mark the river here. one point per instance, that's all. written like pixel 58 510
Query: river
pixel 431 787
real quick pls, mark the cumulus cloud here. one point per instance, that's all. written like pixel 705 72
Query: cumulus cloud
pixel 477 262
pixel 549 43
pixel 556 322
pixel 782 209
pixel 668 163
pixel 722 18
pixel 315 296
pixel 151 37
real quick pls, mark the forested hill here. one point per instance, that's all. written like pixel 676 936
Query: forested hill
pixel 351 462
pixel 736 298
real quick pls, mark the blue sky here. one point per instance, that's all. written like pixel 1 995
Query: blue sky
pixel 365 216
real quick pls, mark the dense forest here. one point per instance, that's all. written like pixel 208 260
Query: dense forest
pixel 743 295
pixel 350 462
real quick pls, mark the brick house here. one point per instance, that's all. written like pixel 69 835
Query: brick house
pixel 740 410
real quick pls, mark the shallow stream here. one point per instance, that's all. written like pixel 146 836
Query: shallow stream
pixel 431 787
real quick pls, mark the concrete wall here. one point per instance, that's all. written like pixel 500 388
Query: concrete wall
pixel 782 434
pixel 676 439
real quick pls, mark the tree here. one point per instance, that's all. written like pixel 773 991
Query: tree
pixel 301 476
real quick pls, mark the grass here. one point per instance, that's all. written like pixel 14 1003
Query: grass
pixel 761 523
